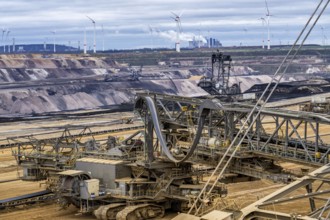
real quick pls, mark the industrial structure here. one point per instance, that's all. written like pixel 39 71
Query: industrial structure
pixel 177 19
pixel 210 43
pixel 217 82
pixel 164 165
pixel 186 152
pixel 185 149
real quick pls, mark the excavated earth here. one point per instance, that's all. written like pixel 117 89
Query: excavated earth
pixel 33 84
pixel 38 83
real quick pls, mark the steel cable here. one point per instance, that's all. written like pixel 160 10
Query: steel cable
pixel 258 107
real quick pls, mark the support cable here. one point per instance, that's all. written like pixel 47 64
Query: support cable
pixel 278 75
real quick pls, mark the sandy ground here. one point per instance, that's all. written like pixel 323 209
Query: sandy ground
pixel 52 211
pixel 10 186
pixel 243 194
pixel 43 212
pixel 19 187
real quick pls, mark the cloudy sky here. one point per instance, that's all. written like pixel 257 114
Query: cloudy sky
pixel 126 23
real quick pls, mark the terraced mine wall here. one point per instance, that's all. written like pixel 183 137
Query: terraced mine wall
pixel 40 83
pixel 32 84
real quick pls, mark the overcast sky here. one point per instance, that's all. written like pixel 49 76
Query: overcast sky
pixel 126 23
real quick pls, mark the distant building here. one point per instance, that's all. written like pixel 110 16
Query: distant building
pixel 214 43
pixel 20 49
pixel 196 44
pixel 211 42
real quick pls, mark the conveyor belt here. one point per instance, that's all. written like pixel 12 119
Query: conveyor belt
pixel 26 199
pixel 86 134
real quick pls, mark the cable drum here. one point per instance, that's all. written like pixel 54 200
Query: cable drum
pixel 145 106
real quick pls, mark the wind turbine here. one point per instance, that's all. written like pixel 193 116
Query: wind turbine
pixel 208 39
pixel 268 30
pixel 85 42
pixel 288 33
pixel 54 34
pixel 8 31
pixel 323 36
pixel 2 39
pixel 245 33
pixel 94 45
pixel 199 38
pixel 177 19
pixel 45 44
pixel 102 38
pixel 151 30
pixel 13 45
pixel 325 40
pixel 3 34
pixel 263 32
pixel 158 33
pixel 199 35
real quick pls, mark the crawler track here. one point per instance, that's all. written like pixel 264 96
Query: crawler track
pixel 109 212
pixel 140 212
